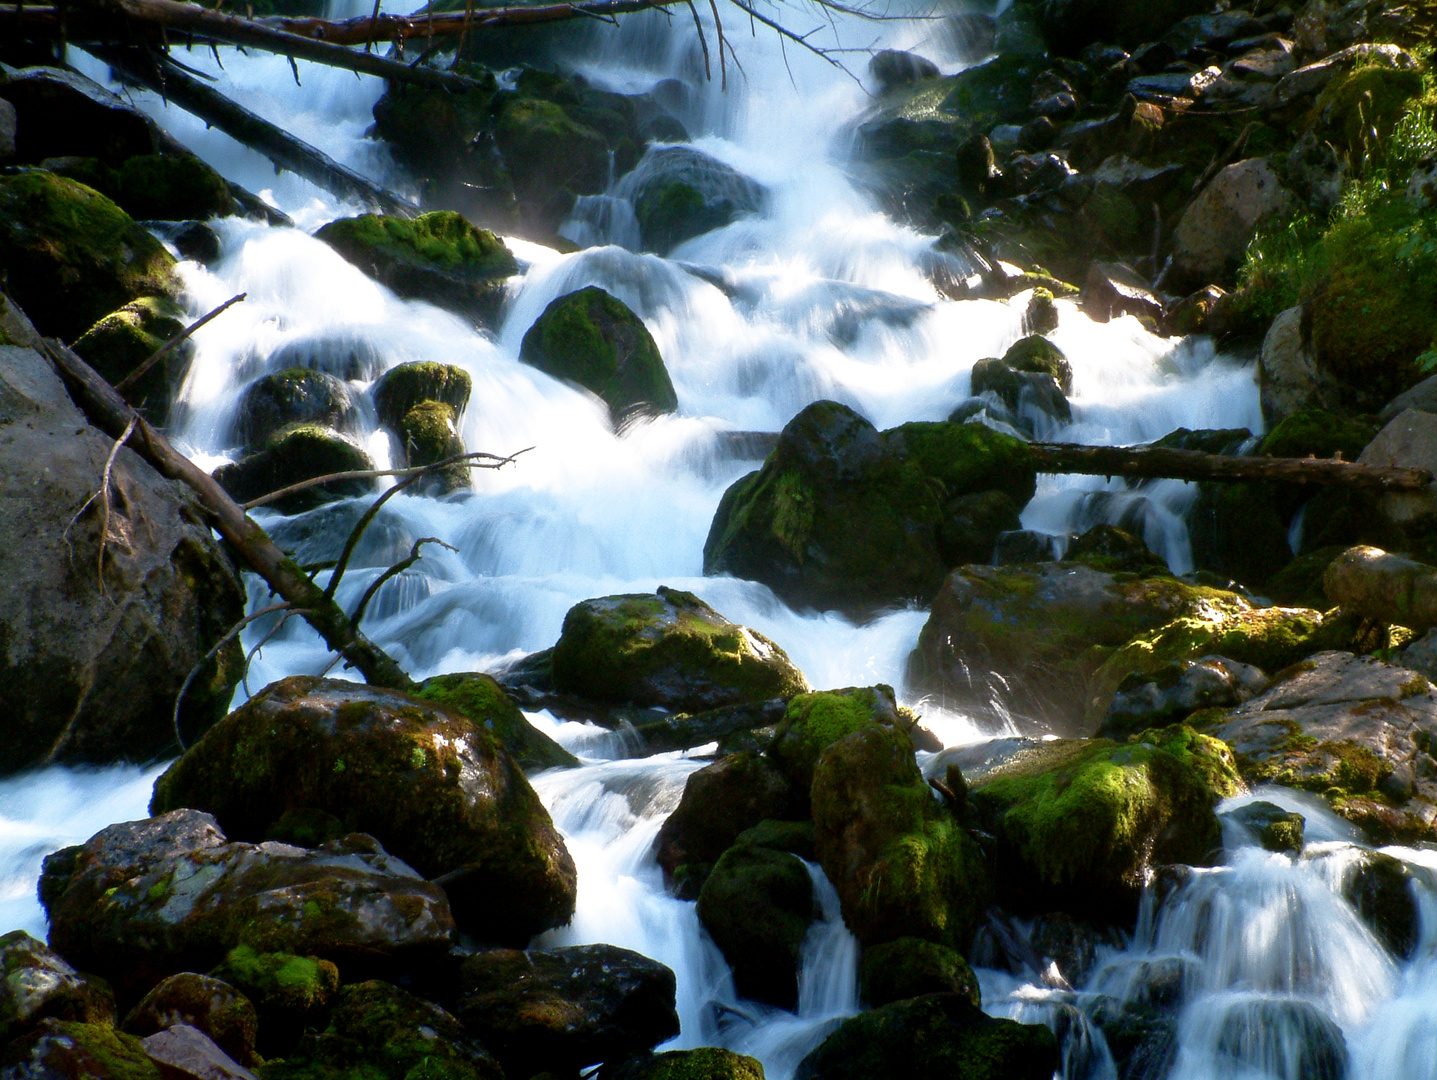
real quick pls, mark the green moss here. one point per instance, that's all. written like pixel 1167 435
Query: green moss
pixel 297 452
pixel 705 1063
pixel 485 703
pixel 669 214
pixel 123 340
pixel 968 458
pixel 1358 110
pixel 279 980
pixel 813 722
pixel 172 187
pixel 70 256
pixel 95 1050
pixel 1318 433
pixel 443 238
pixel 909 966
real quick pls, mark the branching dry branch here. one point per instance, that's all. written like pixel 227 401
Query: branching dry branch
pixel 393 572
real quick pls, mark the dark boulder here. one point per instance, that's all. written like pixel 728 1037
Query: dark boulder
pixel 481 699
pixel 61 113
pixel 293 454
pixel 1383 889
pixel 119 343
pixel 1283 1036
pixel 203 1002
pixel 909 967
pixel 1273 827
pixel 1176 691
pixel 437 788
pixel 68 1048
pixel 401 388
pixel 290 993
pixel 705 1063
pixel 679 193
pixel 291 396
pixel 1022 392
pixel 890 68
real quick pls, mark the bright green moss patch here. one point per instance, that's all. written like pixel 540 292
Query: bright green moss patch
pixel 443 238
pixel 969 458
pixel 484 702
pixel 1318 433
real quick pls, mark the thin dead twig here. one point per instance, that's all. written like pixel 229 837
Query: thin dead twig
pixel 393 572
pixel 174 342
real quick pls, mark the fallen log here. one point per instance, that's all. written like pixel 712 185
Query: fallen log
pixel 1388 589
pixel 160 75
pixel 1139 462
pixel 109 412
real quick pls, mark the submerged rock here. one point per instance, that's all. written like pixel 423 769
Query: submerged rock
pixel 667 649
pixel 39 985
pixel 435 787
pixel 1383 890
pixel 592 338
pixel 438 257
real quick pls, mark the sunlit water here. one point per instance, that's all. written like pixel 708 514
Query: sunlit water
pixel 822 296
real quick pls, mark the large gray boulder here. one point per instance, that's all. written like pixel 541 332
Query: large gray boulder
pixel 97 639
pixel 1217 226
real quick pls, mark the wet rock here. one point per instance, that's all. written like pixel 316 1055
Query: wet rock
pixel 1041 314
pixel 143 900
pixel 39 985
pixel 1196 313
pixel 814 722
pixel 186 1053
pixel 593 339
pixel 678 193
pixel 706 1063
pixel 1276 829
pixel 937 1035
pixel 67 1048
pixel 1023 635
pixel 293 454
pixel 1081 823
pixel 842 515
pixel 202 1002
pixel 756 905
pixel 902 864
pixel 7 130
pixel 1113 289
pixel 1022 392
pixel 196 240
pixel 290 993
pixel 1217 226
pixel 1383 890
pixel 750 725
pixel 119 343
pixel 668 649
pixel 294 395
pixel 436 787
pixel 60 113
pixel 438 257
pixel 90 667
pixel 972 524
pixel 384 1031
pixel 1353 729
pixel 171 187
pixel 401 388
pixel 890 68
pixel 719 802
pixel 1288 1036
pixel 71 256
pixel 909 967
pixel 1114 551
pixel 1066 948
pixel 566 1009
pixel 480 698
pixel 1036 355
pixel 1142 1040
pixel 1176 691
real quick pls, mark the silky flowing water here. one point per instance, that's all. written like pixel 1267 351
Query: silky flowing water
pixel 820 296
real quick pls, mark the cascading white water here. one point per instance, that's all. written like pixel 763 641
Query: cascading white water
pixel 822 296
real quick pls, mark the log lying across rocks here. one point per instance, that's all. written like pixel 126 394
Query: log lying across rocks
pixel 1389 589
pixel 1140 462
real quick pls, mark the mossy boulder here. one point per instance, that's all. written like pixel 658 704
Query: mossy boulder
pixel 909 967
pixel 667 649
pixel 1032 637
pixel 481 699
pixel 1175 691
pixel 705 1063
pixel 592 338
pixel 438 257
pixel 61 113
pixel 756 905
pixel 401 388
pixel 380 1031
pixel 293 396
pixel 123 340
pixel 70 256
pixel 436 787
pixel 679 193
pixel 1037 355
pixel 719 802
pixel 933 1037
pixel 1357 111
pixel 971 525
pixel 288 993
pixel 1080 823
pixel 429 434
pixel 1023 394
pixel 293 454
pixel 1318 433
pixel 1271 826
pixel 549 155
pixel 38 985
pixel 841 515
pixel 205 1003
pixel 70 1048
pixel 903 865
pixel 172 187
pixel 814 722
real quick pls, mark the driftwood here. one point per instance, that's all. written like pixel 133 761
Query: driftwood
pixel 162 76
pixel 108 412
pixel 1161 461
pixel 1388 589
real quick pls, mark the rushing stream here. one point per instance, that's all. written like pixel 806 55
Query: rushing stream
pixel 822 296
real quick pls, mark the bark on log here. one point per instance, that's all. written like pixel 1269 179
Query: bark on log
pixel 109 412
pixel 240 124
pixel 1388 589
pixel 1161 461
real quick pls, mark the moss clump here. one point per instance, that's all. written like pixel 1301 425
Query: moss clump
pixel 816 721
pixel 485 703
pixel 1318 433
pixel 669 649
pixel 1082 822
pixel 672 213
pixel 1358 111
pixel 1038 355
pixel 968 458
pixel 403 387
pixel 442 238
pixel 592 338
pixel 294 395
pixel 69 1048
pixel 70 256
pixel 294 453
pixel 172 187
pixel 705 1063
pixel 429 434
pixel 280 981
pixel 123 340
pixel 908 967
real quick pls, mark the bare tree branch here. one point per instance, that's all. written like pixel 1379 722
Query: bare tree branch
pixel 477 460
pixel 393 572
pixel 174 342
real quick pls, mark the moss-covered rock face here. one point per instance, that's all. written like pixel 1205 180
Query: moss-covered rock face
pixel 172 187
pixel 381 1031
pixel 1266 638
pixel 465 807
pixel 203 1002
pixel 909 967
pixel 593 339
pixel 668 649
pixel 550 156
pixel 70 256
pixel 1033 636
pixel 843 516
pixel 39 985
pixel 902 864
pixel 1353 729
pixel 1357 111
pixel 561 1010
pixel 1037 355
pixel 293 396
pixel 1081 823
pixel 70 1048
pixel 705 1063
pixel 1318 433
pixel 938 1035
pixel 679 193
pixel 484 702
pixel 294 453
pixel 123 340
pixel 401 388
pixel 756 905
pixel 438 257
pixel 719 802
pixel 814 722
